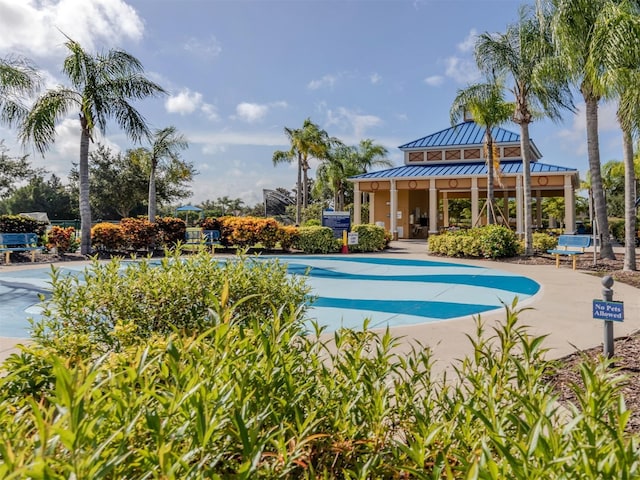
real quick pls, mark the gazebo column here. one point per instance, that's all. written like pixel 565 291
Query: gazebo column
pixel 372 208
pixel 539 208
pixel 357 204
pixel 393 207
pixel 445 210
pixel 569 206
pixel 519 207
pixel 433 207
pixel 474 202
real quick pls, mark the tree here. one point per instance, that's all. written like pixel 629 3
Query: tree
pixel 18 77
pixel 13 171
pixel 616 42
pixel 307 142
pixel 165 145
pixel 485 102
pixel 42 195
pixel 339 164
pixel 573 24
pixel 522 53
pixel 102 87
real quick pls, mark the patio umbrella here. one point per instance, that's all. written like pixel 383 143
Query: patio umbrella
pixel 187 209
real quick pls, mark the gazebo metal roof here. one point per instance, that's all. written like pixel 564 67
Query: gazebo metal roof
pixel 464 134
pixel 457 169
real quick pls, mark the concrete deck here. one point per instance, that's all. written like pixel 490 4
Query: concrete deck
pixel 562 309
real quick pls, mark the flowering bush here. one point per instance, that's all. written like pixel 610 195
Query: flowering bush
pixel 62 239
pixel 107 237
pixel 139 233
pixel 170 230
pixel 288 237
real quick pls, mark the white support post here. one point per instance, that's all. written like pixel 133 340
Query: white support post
pixel 445 209
pixel 569 206
pixel 433 207
pixel 519 207
pixel 357 204
pixel 372 208
pixel 475 203
pixel 393 206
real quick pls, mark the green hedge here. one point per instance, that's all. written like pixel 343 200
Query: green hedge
pixel 491 241
pixel 21 224
pixel 317 240
pixel 371 238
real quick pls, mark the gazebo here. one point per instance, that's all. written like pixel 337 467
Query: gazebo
pixel 412 200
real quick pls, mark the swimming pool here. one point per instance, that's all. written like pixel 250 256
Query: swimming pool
pixel 349 289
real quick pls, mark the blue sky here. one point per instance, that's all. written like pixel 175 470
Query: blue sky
pixel 238 71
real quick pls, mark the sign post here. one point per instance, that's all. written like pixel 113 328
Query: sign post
pixel 609 311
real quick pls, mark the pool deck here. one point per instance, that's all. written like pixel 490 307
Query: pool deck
pixel 562 309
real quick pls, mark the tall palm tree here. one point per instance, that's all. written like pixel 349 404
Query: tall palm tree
pixel 18 78
pixel 165 146
pixel 573 34
pixel 369 155
pixel 102 86
pixel 485 102
pixel 522 53
pixel 307 142
pixel 616 48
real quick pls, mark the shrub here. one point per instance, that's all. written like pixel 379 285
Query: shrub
pixel 287 237
pixel 146 298
pixel 543 242
pixel 62 239
pixel 21 224
pixel 371 238
pixel 616 228
pixel 491 241
pixel 107 237
pixel 210 224
pixel 171 230
pixel 317 240
pixel 257 400
pixel 139 233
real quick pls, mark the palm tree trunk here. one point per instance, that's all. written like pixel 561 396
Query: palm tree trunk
pixel 525 147
pixel 299 192
pixel 84 205
pixel 152 192
pixel 629 203
pixel 490 208
pixel 305 186
pixel 593 148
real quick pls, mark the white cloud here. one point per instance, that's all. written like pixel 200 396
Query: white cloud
pixel 461 70
pixel 351 121
pixel 434 80
pixel 327 81
pixel 33 27
pixel 468 44
pixel 184 102
pixel 254 112
pixel 574 138
pixel 209 48
pixel 210 111
pixel 375 78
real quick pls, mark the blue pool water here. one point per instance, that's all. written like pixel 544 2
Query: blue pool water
pixel 348 289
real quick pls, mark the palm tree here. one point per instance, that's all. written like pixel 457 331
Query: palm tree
pixel 165 145
pixel 573 29
pixel 522 53
pixel 486 104
pixel 102 86
pixel 339 164
pixel 369 155
pixel 18 77
pixel 306 143
pixel 616 48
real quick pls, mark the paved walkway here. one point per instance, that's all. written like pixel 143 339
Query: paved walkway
pixel 562 309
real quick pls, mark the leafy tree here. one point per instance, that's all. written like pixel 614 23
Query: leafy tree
pixel 18 77
pixel 340 164
pixel 485 102
pixel 42 195
pixel 102 87
pixel 522 53
pixel 118 185
pixel 13 171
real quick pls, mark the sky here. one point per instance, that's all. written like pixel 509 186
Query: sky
pixel 237 72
